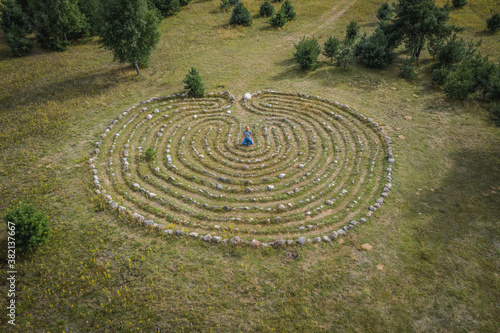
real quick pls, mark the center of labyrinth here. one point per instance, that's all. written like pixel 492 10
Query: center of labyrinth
pixel 316 168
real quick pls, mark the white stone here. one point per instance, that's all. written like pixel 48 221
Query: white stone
pixel 247 96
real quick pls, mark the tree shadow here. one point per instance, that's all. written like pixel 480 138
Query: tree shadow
pixel 88 84
pixel 466 201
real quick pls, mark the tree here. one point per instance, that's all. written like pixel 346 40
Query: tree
pixel 408 69
pixel 417 21
pixel 278 20
pixel 167 7
pixel 345 56
pixel 194 86
pixel 288 11
pixel 306 53
pixel 459 3
pixel 351 33
pixel 12 14
pixel 241 16
pixel 130 31
pixel 375 51
pixel 19 44
pixel 493 23
pixel 453 51
pixel 266 9
pixel 30 227
pixel 385 12
pixel 90 9
pixel 460 83
pixel 331 48
pixel 57 22
pixel 184 2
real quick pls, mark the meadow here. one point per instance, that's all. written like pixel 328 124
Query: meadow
pixel 427 262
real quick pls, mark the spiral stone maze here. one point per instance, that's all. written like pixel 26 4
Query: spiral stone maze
pixel 316 169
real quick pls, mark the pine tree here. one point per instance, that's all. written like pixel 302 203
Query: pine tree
pixel 193 82
pixel 266 9
pixel 493 23
pixel 167 7
pixel 278 20
pixel 331 48
pixel 306 53
pixel 288 10
pixel 241 16
pixel 385 12
pixel 351 33
pixel 130 31
pixel 375 51
pixel 459 3
pixel 57 22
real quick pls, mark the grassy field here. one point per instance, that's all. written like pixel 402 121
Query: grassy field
pixel 433 260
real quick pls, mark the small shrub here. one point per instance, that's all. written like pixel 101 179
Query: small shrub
pixel 385 12
pixel 167 7
pixel 451 52
pixel 460 84
pixel 278 20
pixel 150 154
pixel 408 70
pixel 307 52
pixel 225 5
pixel 495 113
pixel 351 33
pixel 331 48
pixel 266 10
pixel 184 2
pixel 493 23
pixel 439 75
pixel 193 82
pixel 288 11
pixel 241 16
pixel 459 3
pixel 31 227
pixel 19 44
pixel 375 51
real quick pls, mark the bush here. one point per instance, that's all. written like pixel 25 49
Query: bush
pixel 351 33
pixel 459 3
pixel 241 16
pixel 150 154
pixel 385 11
pixel 439 75
pixel 12 15
pixel 19 44
pixel 375 51
pixel 307 52
pixel 278 20
pixel 331 48
pixel 345 56
pixel 31 227
pixel 451 52
pixel 495 113
pixel 460 84
pixel 266 9
pixel 184 2
pixel 194 86
pixel 225 5
pixel 493 23
pixel 167 7
pixel 288 11
pixel 408 70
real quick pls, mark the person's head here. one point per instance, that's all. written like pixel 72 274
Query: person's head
pixel 247 128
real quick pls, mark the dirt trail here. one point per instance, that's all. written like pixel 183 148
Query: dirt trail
pixel 334 14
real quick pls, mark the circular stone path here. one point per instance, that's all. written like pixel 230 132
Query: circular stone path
pixel 316 169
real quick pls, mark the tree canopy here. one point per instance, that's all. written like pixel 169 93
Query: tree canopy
pixel 130 30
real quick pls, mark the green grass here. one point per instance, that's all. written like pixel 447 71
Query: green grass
pixel 434 262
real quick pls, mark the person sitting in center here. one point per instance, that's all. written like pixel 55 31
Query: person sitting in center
pixel 247 137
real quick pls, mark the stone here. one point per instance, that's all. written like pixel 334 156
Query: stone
pixel 247 96
pixel 235 240
pixel 333 235
pixel 255 243
pixel 282 175
pixel 270 187
pixel 207 238
pixel 218 186
pixel 371 208
pixel 193 234
pixel 280 242
pixel 317 240
pixel 301 166
pixel 113 205
pixel 366 246
pixel 148 222
pixel 281 207
pixel 216 239
pixel 301 240
pixel 329 202
pixel 326 239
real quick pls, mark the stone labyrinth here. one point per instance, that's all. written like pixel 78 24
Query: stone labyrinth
pixel 316 169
